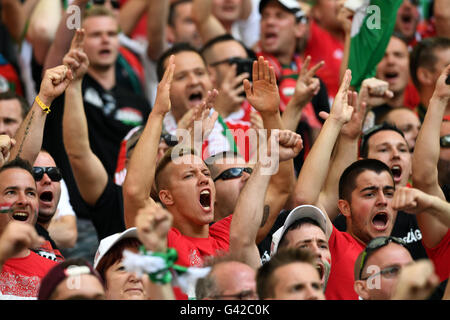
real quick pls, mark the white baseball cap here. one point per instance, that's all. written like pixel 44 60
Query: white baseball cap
pixel 107 243
pixel 290 5
pixel 304 211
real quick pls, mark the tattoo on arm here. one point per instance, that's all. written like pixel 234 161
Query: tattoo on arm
pixel 27 129
pixel 265 215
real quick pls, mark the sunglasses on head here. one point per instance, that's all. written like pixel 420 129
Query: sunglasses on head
pixel 53 173
pixel 233 173
pixel 114 3
pixel 373 246
pixel 445 141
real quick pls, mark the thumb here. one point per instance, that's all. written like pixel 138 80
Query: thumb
pixel 324 115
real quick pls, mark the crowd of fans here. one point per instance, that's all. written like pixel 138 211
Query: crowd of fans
pixel 225 149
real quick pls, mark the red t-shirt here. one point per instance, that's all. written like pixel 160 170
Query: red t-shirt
pixel 192 251
pixel 20 278
pixel 440 255
pixel 344 252
pixel 323 46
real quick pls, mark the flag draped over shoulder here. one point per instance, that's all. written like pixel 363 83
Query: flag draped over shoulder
pixel 372 27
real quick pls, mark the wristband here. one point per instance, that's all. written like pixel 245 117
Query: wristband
pixel 45 108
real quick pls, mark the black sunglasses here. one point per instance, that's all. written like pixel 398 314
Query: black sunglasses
pixel 114 3
pixel 445 141
pixel 53 173
pixel 169 139
pixel 373 246
pixel 233 173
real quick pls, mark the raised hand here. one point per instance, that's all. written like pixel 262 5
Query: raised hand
pixel 231 89
pixel 6 144
pixel 307 85
pixel 411 200
pixel 442 89
pixel 76 59
pixel 375 92
pixel 162 102
pixel 290 143
pixel 153 222
pixel 341 109
pixel 16 237
pixel 263 94
pixel 54 83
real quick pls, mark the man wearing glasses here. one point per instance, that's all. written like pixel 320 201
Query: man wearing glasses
pixel 378 266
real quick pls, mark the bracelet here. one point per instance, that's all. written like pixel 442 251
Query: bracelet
pixel 45 108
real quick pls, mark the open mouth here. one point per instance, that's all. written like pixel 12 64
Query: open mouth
pixel 104 52
pixel 196 97
pixel 20 216
pixel 320 268
pixel 391 75
pixel 406 18
pixel 396 172
pixel 205 199
pixel 46 196
pixel 380 221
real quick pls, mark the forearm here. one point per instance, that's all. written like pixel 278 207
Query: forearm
pixel 312 176
pixel 345 154
pixel 41 31
pixel 141 169
pixel 157 17
pixel 207 24
pixel 344 62
pixel 13 17
pixel 440 209
pixel 130 14
pixel 64 231
pixel 247 217
pixel 292 114
pixel 427 148
pixel 30 133
pixel 63 37
pixel 246 9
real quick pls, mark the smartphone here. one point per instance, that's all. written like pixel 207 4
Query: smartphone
pixel 243 65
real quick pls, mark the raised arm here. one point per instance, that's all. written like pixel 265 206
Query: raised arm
pixel 130 14
pixel 142 164
pixel 207 24
pixel 6 143
pixel 89 173
pixel 157 19
pixel 426 157
pixel 249 209
pixel 63 36
pixel 30 133
pixel 42 27
pixel 306 87
pixel 15 15
pixel 312 176
pixel 263 95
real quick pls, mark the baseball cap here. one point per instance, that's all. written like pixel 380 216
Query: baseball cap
pixel 107 243
pixel 290 5
pixel 68 268
pixel 300 212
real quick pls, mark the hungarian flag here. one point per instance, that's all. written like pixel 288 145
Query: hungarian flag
pixel 372 27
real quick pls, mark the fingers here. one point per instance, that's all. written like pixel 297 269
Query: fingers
pixel 345 82
pixel 312 72
pixel 168 74
pixel 305 66
pixel 247 88
pixel 78 39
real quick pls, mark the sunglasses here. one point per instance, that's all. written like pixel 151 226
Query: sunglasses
pixel 53 173
pixel 114 3
pixel 445 141
pixel 388 273
pixel 233 173
pixel 373 246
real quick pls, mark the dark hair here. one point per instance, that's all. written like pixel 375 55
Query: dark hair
pixel 173 5
pixel 347 181
pixel 265 283
pixel 10 95
pixel 175 49
pixel 424 55
pixel 18 163
pixel 226 37
pixel 167 158
pixel 114 254
pixel 364 146
pixel 294 226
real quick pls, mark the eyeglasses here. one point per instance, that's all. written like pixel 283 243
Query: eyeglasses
pixel 445 141
pixel 53 173
pixel 114 3
pixel 388 273
pixel 233 173
pixel 374 245
pixel 243 295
